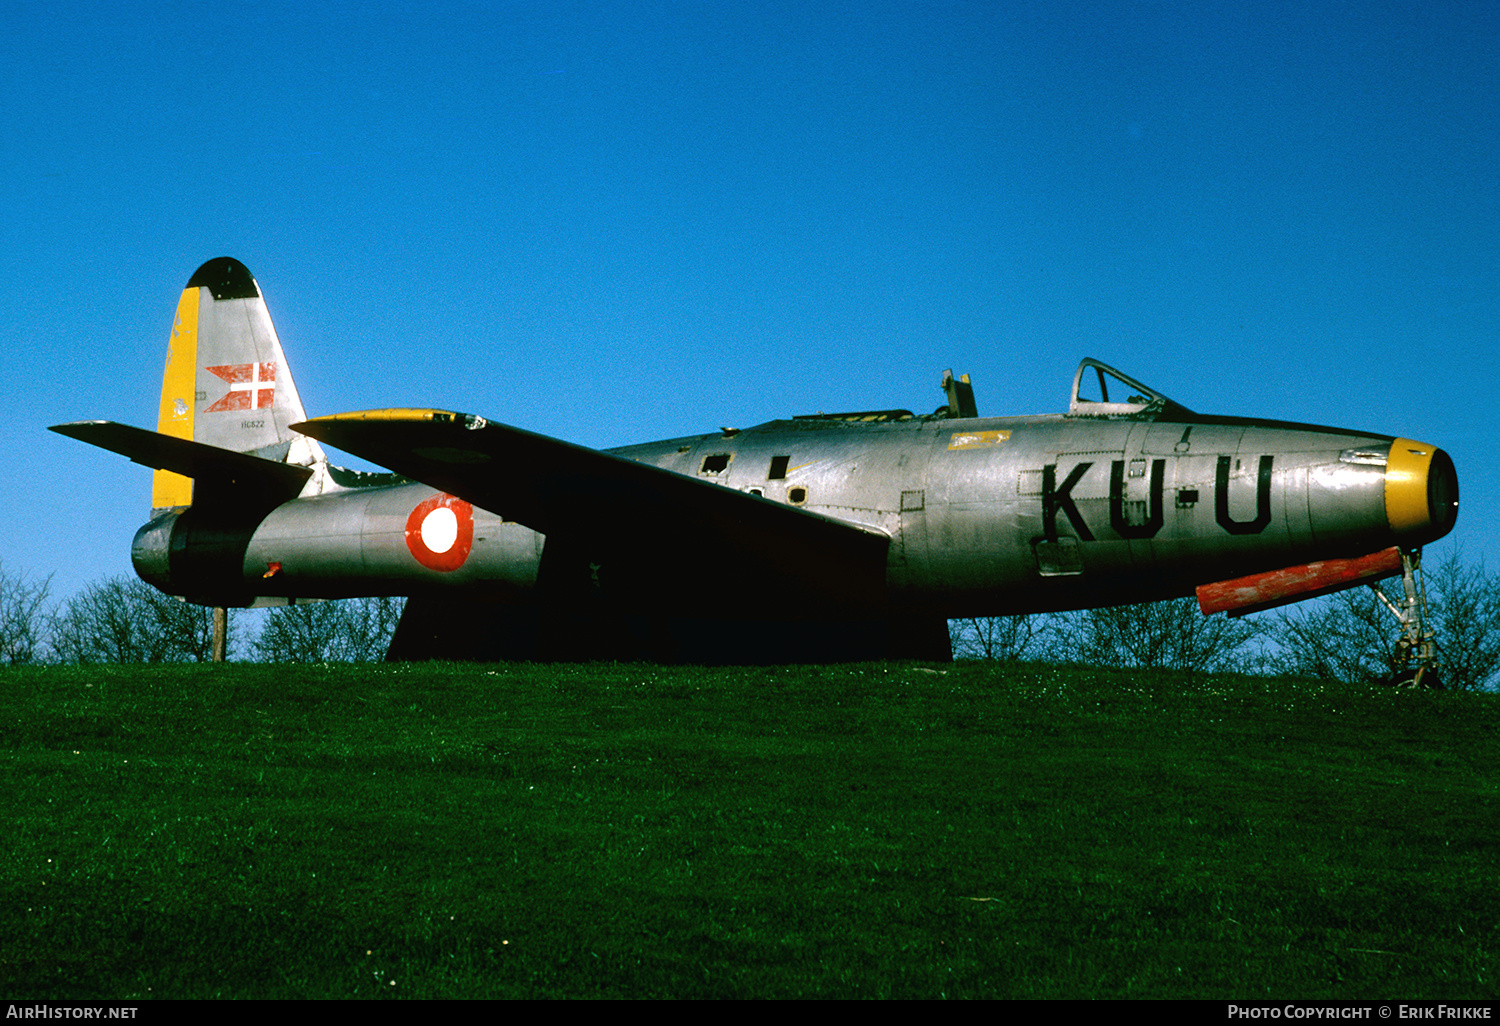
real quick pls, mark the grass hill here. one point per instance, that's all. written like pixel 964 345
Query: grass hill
pixel 970 830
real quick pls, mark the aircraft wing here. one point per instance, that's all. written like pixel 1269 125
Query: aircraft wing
pixel 665 530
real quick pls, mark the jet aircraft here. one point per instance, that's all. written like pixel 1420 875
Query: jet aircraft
pixel 818 537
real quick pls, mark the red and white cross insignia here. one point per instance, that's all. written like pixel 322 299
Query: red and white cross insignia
pixel 252 386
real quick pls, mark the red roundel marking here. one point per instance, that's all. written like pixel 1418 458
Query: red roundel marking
pixel 440 532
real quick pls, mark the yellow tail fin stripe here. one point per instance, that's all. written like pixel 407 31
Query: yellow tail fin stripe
pixel 178 397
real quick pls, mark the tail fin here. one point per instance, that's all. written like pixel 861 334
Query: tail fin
pixel 227 382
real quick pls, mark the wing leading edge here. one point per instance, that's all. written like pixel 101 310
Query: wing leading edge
pixel 652 531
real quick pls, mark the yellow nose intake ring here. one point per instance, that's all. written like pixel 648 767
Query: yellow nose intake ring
pixel 1421 491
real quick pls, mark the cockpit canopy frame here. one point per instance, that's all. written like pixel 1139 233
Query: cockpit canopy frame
pixel 1130 397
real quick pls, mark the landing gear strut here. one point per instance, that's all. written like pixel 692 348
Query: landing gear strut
pixel 1414 663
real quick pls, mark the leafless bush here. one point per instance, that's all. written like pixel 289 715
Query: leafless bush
pixel 1351 636
pixel 125 620
pixel 1169 635
pixel 994 637
pixel 343 631
pixel 23 618
pixel 1465 613
pixel 1348 636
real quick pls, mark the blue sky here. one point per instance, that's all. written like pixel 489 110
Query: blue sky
pixel 616 222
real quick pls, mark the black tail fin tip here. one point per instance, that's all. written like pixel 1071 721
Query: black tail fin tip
pixel 226 278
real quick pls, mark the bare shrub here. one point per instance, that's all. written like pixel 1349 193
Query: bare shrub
pixel 125 620
pixel 23 618
pixel 1465 614
pixel 1351 636
pixel 994 637
pixel 1169 635
pixel 341 631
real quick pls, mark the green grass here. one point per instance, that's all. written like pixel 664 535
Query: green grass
pixel 629 831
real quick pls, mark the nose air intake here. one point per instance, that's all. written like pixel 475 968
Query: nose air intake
pixel 1421 492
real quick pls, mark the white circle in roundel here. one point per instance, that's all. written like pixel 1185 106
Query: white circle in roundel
pixel 440 529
